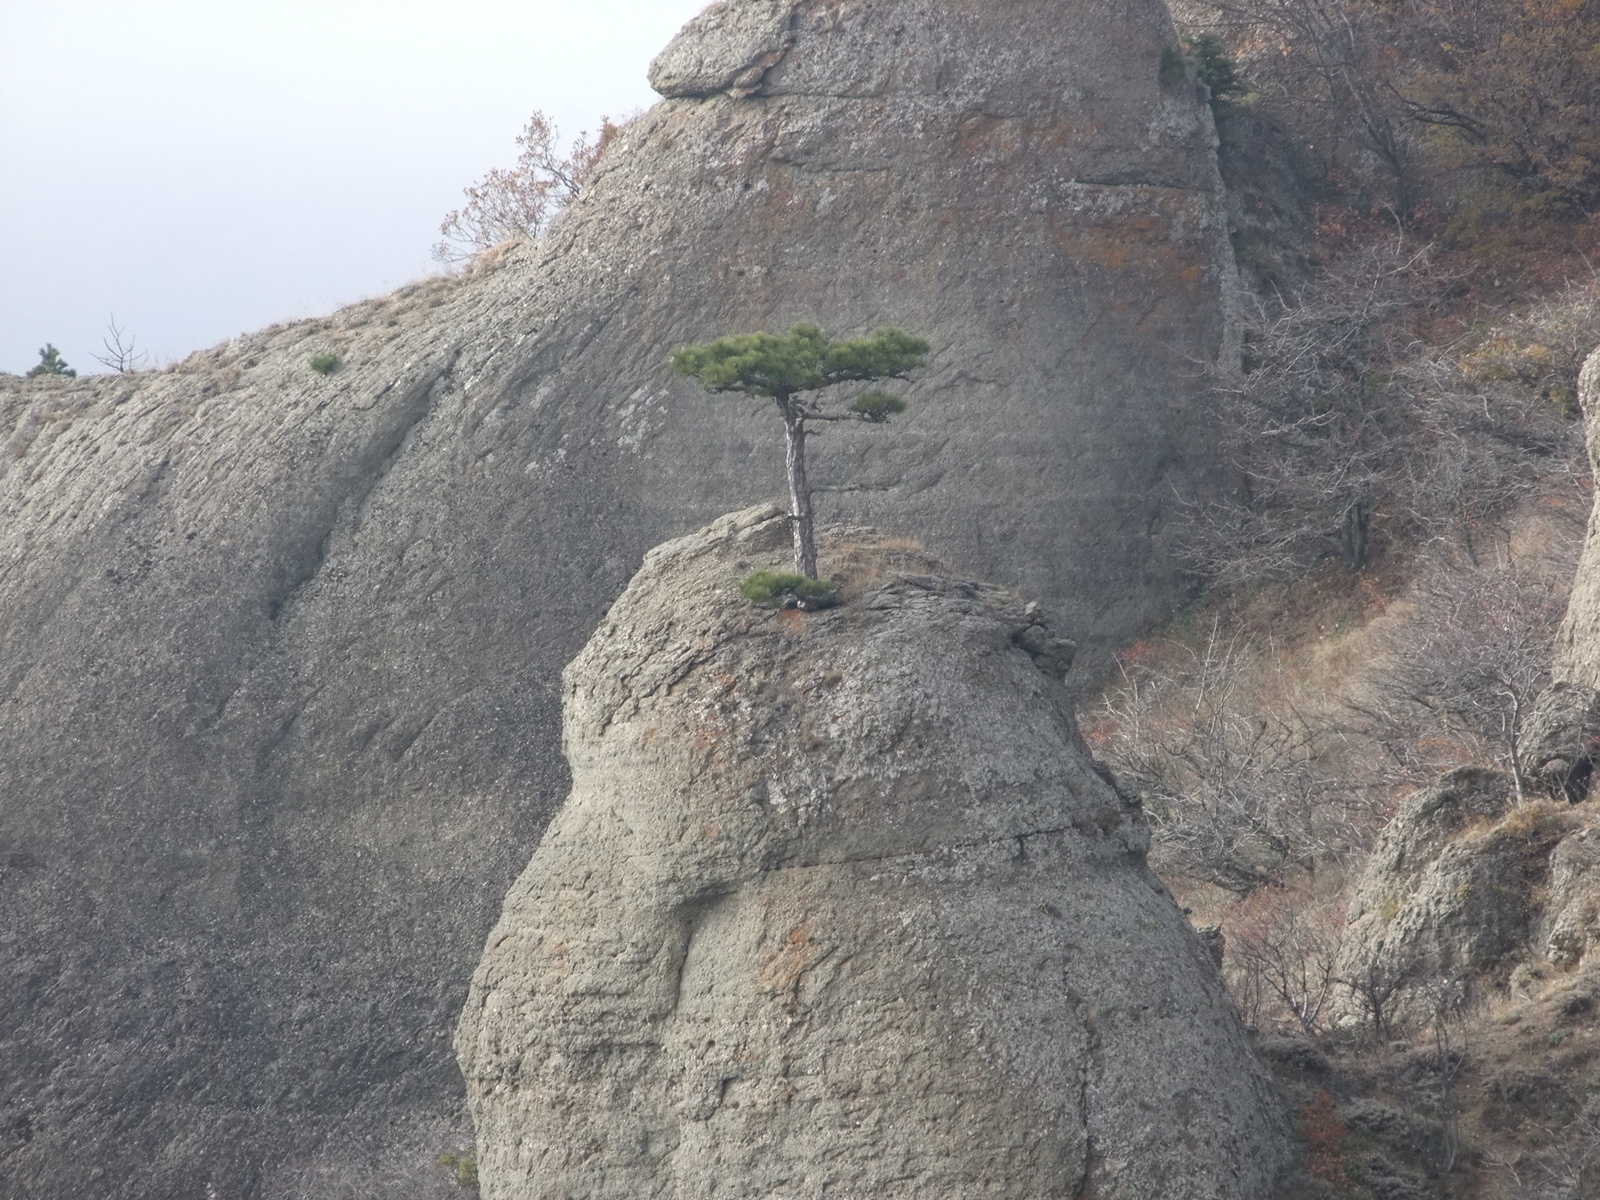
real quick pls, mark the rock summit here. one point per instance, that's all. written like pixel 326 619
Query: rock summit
pixel 839 905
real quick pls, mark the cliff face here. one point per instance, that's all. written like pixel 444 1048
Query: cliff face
pixel 1564 729
pixel 278 652
pixel 838 906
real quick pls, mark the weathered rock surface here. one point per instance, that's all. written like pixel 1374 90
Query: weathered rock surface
pixel 1465 884
pixel 1434 899
pixel 839 906
pixel 1562 734
pixel 278 652
pixel 1572 905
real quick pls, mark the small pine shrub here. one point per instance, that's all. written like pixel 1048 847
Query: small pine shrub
pixel 781 589
pixel 1174 66
pixel 51 363
pixel 1215 68
pixel 325 364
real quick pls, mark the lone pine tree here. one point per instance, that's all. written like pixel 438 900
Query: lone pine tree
pixel 793 371
pixel 51 363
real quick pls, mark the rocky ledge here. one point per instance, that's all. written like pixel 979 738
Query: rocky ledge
pixel 838 905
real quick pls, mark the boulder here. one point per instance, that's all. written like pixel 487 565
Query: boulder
pixel 1459 889
pixel 1572 907
pixel 280 651
pixel 838 905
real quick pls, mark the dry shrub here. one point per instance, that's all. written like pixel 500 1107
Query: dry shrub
pixel 1565 1167
pixel 1283 944
pixel 1460 676
pixel 1540 350
pixel 1230 769
pixel 861 560
pixel 517 204
pixel 1350 428
pixel 1323 1132
pixel 1401 94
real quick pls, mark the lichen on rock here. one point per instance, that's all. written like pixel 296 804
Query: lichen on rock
pixel 1464 885
pixel 839 905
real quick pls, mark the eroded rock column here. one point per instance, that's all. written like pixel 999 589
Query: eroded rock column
pixel 838 906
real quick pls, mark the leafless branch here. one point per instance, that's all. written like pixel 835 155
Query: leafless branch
pixel 120 356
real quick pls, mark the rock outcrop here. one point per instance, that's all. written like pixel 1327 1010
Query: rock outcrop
pixel 1562 734
pixel 1464 886
pixel 838 905
pixel 279 652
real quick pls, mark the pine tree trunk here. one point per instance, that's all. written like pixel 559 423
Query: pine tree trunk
pixel 805 547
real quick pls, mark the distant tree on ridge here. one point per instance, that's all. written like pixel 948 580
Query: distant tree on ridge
pixel 51 363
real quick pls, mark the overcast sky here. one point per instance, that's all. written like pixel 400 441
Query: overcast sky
pixel 205 167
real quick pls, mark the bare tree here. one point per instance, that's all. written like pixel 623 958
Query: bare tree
pixel 1487 90
pixel 1310 420
pixel 519 202
pixel 120 356
pixel 1379 983
pixel 1347 427
pixel 1226 764
pixel 1282 946
pixel 1567 1167
pixel 1331 63
pixel 1461 674
pixel 1445 999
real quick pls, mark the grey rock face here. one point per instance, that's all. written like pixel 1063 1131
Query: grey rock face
pixel 727 48
pixel 1563 731
pixel 279 652
pixel 838 905
pixel 1433 898
pixel 1462 881
pixel 1572 911
pixel 1559 739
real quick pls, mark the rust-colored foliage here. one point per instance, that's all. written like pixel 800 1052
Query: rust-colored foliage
pixel 520 202
pixel 1323 1133
pixel 1517 84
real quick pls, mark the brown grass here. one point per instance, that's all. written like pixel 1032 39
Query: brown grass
pixel 859 561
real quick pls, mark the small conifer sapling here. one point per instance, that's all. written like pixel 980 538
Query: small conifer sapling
pixel 51 363
pixel 793 371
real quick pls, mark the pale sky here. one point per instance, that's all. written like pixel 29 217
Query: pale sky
pixel 205 168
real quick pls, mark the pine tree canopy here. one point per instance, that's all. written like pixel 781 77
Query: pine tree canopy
pixel 51 363
pixel 803 360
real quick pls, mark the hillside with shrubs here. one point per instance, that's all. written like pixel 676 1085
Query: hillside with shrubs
pixel 1332 740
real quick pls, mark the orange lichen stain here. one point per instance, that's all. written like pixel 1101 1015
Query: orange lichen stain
pixel 1323 1132
pixel 792 620
pixel 1113 247
pixel 1063 135
pixel 1148 241
pixel 983 137
pixel 783 974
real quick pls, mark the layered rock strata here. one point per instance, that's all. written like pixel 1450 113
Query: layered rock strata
pixel 838 905
pixel 279 651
